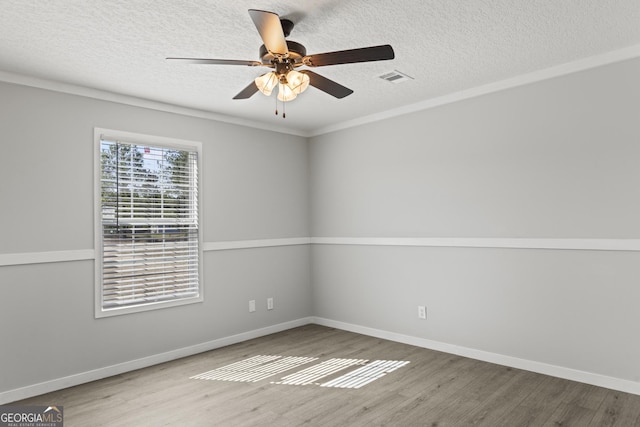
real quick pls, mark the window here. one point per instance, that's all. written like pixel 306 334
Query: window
pixel 147 228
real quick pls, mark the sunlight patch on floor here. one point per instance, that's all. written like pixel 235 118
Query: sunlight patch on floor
pixel 363 376
pixel 261 367
pixel 254 369
pixel 314 373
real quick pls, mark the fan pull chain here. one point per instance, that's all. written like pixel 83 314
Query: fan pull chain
pixel 284 110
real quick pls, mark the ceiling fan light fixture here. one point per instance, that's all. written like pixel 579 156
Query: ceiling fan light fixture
pixel 267 82
pixel 285 93
pixel 285 55
pixel 298 82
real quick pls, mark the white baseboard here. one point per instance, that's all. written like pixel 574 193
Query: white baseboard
pixel 500 359
pixel 108 371
pixel 514 362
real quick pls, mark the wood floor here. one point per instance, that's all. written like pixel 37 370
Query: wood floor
pixel 434 389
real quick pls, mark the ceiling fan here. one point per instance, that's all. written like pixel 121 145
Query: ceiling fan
pixel 284 56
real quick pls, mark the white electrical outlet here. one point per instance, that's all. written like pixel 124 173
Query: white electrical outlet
pixel 269 303
pixel 422 312
pixel 252 306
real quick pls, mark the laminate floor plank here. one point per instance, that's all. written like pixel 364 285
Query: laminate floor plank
pixel 433 389
pixel 438 392
pixel 362 411
pixel 579 406
pixel 544 399
pixel 497 406
pixel 454 410
pixel 618 410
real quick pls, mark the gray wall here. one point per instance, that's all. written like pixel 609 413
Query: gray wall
pixel 254 186
pixel 554 159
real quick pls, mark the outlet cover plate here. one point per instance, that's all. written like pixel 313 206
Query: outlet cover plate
pixel 422 312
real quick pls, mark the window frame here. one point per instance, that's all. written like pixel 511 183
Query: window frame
pixel 144 140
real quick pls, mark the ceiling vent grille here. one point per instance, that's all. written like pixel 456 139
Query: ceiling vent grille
pixel 395 76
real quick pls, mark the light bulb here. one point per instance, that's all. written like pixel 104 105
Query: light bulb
pixel 267 82
pixel 298 82
pixel 285 93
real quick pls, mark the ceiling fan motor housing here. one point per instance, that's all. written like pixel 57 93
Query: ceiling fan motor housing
pixel 296 53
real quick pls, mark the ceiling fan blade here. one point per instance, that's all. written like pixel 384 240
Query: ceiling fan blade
pixel 218 61
pixel 364 54
pixel 247 92
pixel 270 29
pixel 327 85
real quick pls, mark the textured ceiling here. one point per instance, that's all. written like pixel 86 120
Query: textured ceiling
pixel 446 46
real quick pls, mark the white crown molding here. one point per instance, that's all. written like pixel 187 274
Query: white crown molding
pixel 521 80
pixel 619 55
pixel 500 359
pixel 137 102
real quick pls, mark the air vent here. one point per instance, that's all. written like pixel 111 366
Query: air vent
pixel 395 76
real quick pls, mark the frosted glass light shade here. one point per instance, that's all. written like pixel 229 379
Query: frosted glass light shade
pixel 298 82
pixel 285 93
pixel 267 82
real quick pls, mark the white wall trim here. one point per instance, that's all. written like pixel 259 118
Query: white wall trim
pixel 8 259
pixel 138 102
pixel 46 257
pixel 606 58
pixel 521 80
pixel 249 244
pixel 89 254
pixel 108 371
pixel 500 359
pixel 487 242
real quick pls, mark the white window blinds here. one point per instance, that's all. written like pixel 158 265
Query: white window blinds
pixel 149 218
